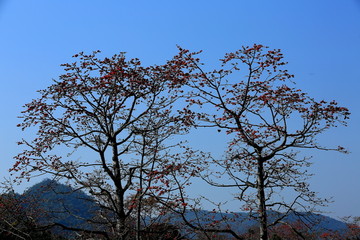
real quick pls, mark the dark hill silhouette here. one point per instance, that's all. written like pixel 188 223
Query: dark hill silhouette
pixel 64 205
pixel 59 203
pixel 240 222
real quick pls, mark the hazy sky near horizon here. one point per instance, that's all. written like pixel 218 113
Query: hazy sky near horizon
pixel 320 40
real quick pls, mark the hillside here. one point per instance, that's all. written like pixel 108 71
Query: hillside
pixel 62 204
pixel 242 223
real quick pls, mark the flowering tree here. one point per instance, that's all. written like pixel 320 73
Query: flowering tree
pixel 251 98
pixel 122 113
pixel 20 216
pixel 15 220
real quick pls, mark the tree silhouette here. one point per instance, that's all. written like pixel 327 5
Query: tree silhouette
pixel 251 99
pixel 122 113
pixel 125 115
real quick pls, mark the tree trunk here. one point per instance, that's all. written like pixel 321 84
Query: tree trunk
pixel 261 201
pixel 120 217
pixel 121 230
pixel 140 191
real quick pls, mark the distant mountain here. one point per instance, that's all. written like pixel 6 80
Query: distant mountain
pixel 318 222
pixel 61 204
pixel 64 205
pixel 240 222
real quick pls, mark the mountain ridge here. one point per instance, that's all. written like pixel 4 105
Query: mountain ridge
pixel 71 208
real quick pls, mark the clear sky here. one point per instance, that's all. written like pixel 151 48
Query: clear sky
pixel 320 40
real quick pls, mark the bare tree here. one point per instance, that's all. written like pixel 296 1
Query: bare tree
pixel 251 98
pixel 125 116
pixel 118 114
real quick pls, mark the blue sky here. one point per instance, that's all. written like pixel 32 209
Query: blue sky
pixel 320 40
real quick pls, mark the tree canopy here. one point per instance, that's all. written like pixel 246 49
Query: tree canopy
pixel 128 116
